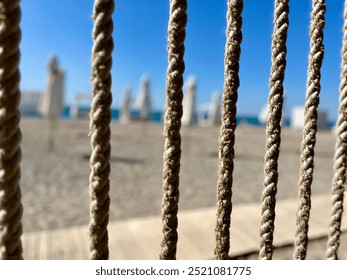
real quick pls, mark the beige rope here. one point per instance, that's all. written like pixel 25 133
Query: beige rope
pixel 100 117
pixel 228 126
pixel 340 165
pixel 310 127
pixel 273 128
pixel 10 135
pixel 172 125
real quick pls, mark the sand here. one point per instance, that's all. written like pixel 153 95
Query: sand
pixel 55 184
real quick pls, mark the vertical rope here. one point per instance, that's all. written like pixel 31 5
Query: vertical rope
pixel 100 118
pixel 273 128
pixel 340 165
pixel 172 126
pixel 310 127
pixel 228 126
pixel 10 135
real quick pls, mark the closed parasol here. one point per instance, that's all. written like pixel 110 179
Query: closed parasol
pixel 188 117
pixel 53 98
pixel 143 100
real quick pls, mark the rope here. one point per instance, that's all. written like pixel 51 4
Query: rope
pixel 310 127
pixel 340 165
pixel 10 135
pixel 172 125
pixel 228 126
pixel 273 128
pixel 100 118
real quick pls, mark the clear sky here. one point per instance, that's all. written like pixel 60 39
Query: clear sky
pixel 64 28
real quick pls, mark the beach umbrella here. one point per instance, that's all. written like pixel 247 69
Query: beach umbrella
pixel 52 98
pixel 189 103
pixel 125 115
pixel 143 100
pixel 215 110
pixel 262 116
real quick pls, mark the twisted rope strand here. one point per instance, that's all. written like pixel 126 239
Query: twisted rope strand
pixel 310 127
pixel 273 128
pixel 10 135
pixel 172 126
pixel 340 165
pixel 228 126
pixel 100 118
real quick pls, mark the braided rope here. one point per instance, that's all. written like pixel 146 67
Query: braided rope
pixel 273 128
pixel 172 125
pixel 228 126
pixel 10 135
pixel 310 127
pixel 340 165
pixel 100 118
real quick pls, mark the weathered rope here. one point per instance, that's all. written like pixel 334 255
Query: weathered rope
pixel 310 127
pixel 340 165
pixel 100 118
pixel 273 128
pixel 228 126
pixel 10 135
pixel 172 126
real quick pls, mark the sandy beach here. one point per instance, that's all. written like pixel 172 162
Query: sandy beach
pixel 55 184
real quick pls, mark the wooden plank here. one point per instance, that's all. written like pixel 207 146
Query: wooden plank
pixel 29 246
pixel 196 232
pixel 140 238
pixel 79 237
pixel 148 233
pixel 68 244
pixel 285 222
pixel 126 243
pixel 57 250
pixel 117 242
pixel 190 243
pixel 245 229
pixel 241 241
pixel 37 246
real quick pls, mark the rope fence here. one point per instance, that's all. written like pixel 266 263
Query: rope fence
pixel 340 166
pixel 11 208
pixel 310 127
pixel 172 126
pixel 273 128
pixel 100 118
pixel 10 134
pixel 228 126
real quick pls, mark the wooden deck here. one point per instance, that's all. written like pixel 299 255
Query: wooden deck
pixel 140 238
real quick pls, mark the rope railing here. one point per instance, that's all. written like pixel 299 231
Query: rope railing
pixel 100 133
pixel 310 127
pixel 10 134
pixel 172 126
pixel 228 126
pixel 340 166
pixel 273 128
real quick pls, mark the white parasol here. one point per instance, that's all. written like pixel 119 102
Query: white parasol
pixel 215 110
pixel 143 101
pixel 53 97
pixel 125 115
pixel 189 103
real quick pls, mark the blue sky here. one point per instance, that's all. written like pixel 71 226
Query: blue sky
pixel 64 28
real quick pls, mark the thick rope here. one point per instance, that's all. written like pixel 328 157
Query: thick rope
pixel 172 126
pixel 100 118
pixel 10 135
pixel 273 128
pixel 228 126
pixel 340 165
pixel 310 127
